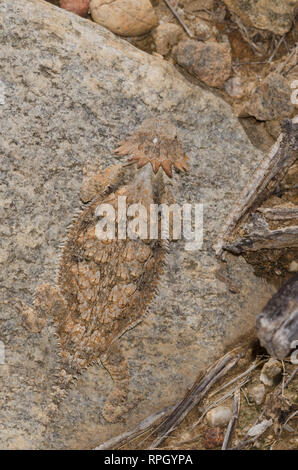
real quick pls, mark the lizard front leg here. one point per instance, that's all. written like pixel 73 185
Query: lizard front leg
pixel 115 363
pixel 47 301
pixel 97 181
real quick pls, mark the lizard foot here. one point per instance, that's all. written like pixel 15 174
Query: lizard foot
pixel 116 404
pixel 47 301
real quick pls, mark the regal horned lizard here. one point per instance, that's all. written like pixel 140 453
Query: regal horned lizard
pixel 104 286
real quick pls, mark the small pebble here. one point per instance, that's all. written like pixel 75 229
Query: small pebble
pixel 234 87
pixel 293 267
pixel 79 7
pixel 165 36
pixel 219 416
pixel 257 394
pixel 124 17
pixel 270 372
pixel 202 30
pixel 260 428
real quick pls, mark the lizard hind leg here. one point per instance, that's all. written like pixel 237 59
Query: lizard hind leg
pixel 116 365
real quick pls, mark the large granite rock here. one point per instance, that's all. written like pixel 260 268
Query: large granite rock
pixel 273 15
pixel 70 91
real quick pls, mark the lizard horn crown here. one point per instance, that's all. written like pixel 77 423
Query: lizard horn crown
pixel 155 142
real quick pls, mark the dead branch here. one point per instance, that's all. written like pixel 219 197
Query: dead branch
pixel 176 14
pixel 234 417
pixel 279 213
pixel 270 239
pixel 244 374
pixel 220 400
pixel 264 182
pixel 137 431
pixel 276 48
pixel 194 396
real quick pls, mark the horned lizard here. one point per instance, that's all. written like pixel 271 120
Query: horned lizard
pixel 105 286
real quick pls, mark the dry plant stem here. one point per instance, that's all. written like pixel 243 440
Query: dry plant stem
pixel 250 369
pixel 276 49
pixel 247 440
pixel 291 68
pixel 264 182
pixel 194 396
pixel 268 239
pixel 220 400
pixel 279 213
pixel 288 381
pixel 234 417
pixel 283 378
pixel 291 417
pixel 282 65
pixel 286 45
pixel 175 13
pixel 245 35
pixel 236 64
pixel 142 427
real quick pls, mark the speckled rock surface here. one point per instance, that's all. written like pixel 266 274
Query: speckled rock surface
pixel 70 91
pixel 271 99
pixel 209 61
pixel 274 15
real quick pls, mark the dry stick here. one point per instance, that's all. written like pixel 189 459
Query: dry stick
pixel 266 178
pixel 220 400
pixel 194 396
pixel 291 68
pixel 236 64
pixel 246 440
pixel 282 65
pixel 142 427
pixel 290 417
pixel 245 35
pixel 279 390
pixel 175 13
pixel 246 398
pixel 286 45
pixel 250 369
pixel 234 417
pixel 276 49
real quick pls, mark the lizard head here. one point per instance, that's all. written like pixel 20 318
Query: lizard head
pixel 155 142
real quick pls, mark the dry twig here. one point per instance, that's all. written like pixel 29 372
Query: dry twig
pixel 220 400
pixel 176 14
pixel 246 372
pixel 276 49
pixel 194 396
pixel 234 417
pixel 263 184
pixel 137 431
